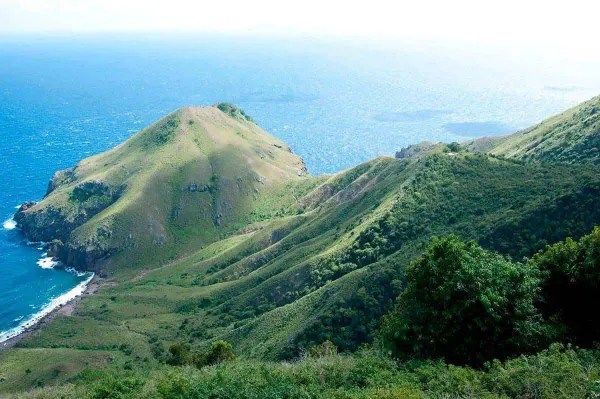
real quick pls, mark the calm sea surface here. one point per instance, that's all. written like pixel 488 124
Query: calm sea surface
pixel 336 103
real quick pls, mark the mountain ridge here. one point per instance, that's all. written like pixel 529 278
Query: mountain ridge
pixel 571 136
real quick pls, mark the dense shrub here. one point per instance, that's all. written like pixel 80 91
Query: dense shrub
pixel 179 354
pixel 113 386
pixel 556 373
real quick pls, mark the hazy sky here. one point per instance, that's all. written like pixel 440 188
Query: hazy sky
pixel 568 26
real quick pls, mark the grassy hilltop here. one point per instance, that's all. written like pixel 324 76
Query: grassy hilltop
pixel 206 228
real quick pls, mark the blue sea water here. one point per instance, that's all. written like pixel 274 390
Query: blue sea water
pixel 337 103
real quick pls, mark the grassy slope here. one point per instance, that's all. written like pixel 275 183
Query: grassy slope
pixel 572 136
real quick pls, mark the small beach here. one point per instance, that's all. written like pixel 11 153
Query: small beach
pixel 63 305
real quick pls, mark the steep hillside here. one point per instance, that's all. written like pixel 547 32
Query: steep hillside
pixel 572 137
pixel 197 175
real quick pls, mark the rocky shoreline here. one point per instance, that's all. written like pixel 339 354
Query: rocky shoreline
pixel 66 309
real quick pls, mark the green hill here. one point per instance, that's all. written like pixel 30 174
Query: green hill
pixel 206 228
pixel 572 137
pixel 197 175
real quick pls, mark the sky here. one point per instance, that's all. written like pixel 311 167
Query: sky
pixel 565 26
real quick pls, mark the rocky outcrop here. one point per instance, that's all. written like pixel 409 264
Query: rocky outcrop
pixel 54 224
pixel 88 258
pixel 415 150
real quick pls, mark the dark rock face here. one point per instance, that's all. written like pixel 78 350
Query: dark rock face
pixel 218 219
pixel 26 205
pixel 54 225
pixel 80 258
pixel 84 258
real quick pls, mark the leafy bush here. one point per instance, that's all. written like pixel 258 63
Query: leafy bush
pixel 219 352
pixel 234 111
pixel 327 348
pixel 112 386
pixel 164 131
pixel 466 305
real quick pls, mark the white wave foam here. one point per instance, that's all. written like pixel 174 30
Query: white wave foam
pixel 79 274
pixel 53 304
pixel 9 224
pixel 47 262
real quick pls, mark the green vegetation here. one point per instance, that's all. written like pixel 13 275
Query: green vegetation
pixel 215 241
pixel 465 304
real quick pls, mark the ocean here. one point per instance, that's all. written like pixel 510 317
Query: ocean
pixel 335 102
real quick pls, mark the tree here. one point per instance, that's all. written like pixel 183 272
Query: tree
pixel 454 147
pixel 570 288
pixel 466 305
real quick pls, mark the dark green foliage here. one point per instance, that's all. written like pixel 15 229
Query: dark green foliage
pixel 465 304
pixel 454 147
pixel 558 372
pixel 162 132
pixel 506 207
pixel 179 355
pixel 571 287
pixel 84 191
pixel 353 321
pixel 234 111
pixel 220 351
